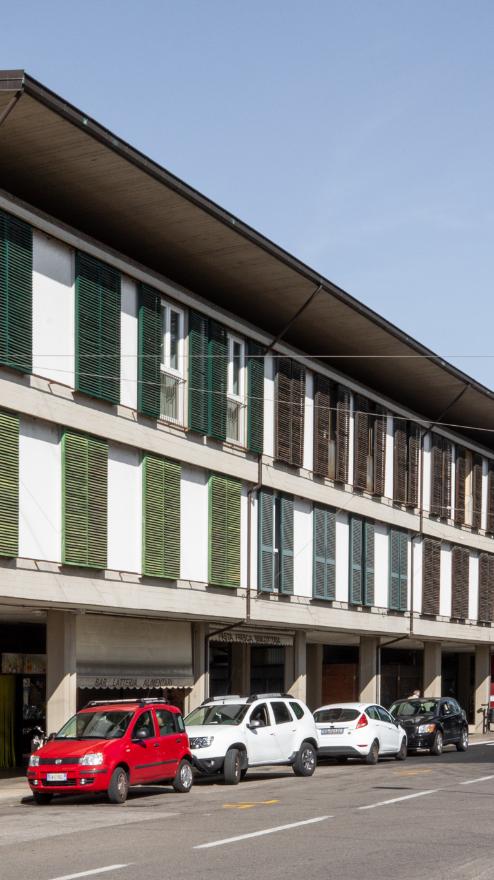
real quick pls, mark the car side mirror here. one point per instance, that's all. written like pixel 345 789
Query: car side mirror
pixel 141 733
pixel 50 737
pixel 254 725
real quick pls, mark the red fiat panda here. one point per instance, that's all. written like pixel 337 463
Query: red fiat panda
pixel 110 746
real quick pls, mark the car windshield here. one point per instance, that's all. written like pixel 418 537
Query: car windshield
pixel 409 708
pixel 337 713
pixel 104 724
pixel 223 713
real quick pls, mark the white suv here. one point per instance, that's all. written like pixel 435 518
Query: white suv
pixel 230 734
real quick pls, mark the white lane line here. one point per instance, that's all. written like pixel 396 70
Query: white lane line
pixel 405 797
pixel 480 779
pixel 91 873
pixel 260 833
pixel 489 742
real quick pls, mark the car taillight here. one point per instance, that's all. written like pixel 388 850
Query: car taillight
pixel 362 722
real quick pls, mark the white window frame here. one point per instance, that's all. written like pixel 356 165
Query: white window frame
pixel 241 396
pixel 166 309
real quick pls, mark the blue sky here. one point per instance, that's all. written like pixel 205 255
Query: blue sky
pixel 358 135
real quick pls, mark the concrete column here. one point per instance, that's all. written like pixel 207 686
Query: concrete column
pixel 464 684
pixel 200 688
pixel 368 672
pixel 241 669
pixel 482 683
pixel 298 685
pixel 432 669
pixel 61 679
pixel 314 675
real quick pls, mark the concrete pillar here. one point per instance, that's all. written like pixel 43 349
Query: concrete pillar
pixel 482 684
pixel 241 669
pixel 61 680
pixel 314 675
pixel 432 669
pixel 298 684
pixel 200 688
pixel 368 671
pixel 464 683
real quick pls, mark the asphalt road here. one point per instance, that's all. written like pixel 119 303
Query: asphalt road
pixel 425 818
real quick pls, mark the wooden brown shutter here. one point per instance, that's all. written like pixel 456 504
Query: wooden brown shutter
pixel 460 476
pixel 380 426
pixel 436 475
pixel 298 413
pixel 322 415
pixel 446 480
pixel 431 570
pixel 400 461
pixel 486 588
pixel 460 582
pixel 490 499
pixel 343 434
pixel 283 433
pixel 477 491
pixel 361 442
pixel 414 435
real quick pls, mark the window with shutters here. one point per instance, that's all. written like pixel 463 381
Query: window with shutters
pixel 290 407
pixel 172 364
pixel 398 570
pixel 16 293
pixel 460 580
pixel 431 574
pixel 406 462
pixel 361 562
pixel 235 405
pixel 85 500
pixel 161 517
pixel 441 458
pixel 9 484
pixel 331 429
pixel 369 446
pixel 324 553
pixel 486 588
pixel 224 531
pixel 255 397
pixel 463 486
pixel 97 329
pixel 275 558
pixel 490 499
pixel 477 468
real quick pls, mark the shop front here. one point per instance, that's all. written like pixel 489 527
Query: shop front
pixel 22 690
pixel 243 661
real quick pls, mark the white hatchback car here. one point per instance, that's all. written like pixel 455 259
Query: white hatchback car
pixel 359 730
pixel 230 734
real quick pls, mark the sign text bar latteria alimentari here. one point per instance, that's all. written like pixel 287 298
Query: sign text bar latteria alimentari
pixel 132 682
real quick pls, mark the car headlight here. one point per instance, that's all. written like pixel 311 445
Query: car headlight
pixel 92 759
pixel 34 760
pixel 427 728
pixel 200 742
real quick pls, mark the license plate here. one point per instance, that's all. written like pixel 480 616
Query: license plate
pixel 56 777
pixel 327 730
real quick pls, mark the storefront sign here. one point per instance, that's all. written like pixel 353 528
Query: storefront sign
pixel 252 637
pixel 133 682
pixel 25 664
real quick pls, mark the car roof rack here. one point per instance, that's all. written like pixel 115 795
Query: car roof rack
pixel 140 701
pixel 268 696
pixel 221 698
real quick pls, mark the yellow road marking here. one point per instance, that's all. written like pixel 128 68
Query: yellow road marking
pixel 247 805
pixel 410 772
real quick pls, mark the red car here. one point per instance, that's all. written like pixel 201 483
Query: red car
pixel 110 746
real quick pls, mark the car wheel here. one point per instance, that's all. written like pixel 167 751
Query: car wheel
pixel 41 798
pixel 184 778
pixel 306 761
pixel 232 770
pixel 118 788
pixel 437 745
pixel 462 745
pixel 372 756
pixel 401 755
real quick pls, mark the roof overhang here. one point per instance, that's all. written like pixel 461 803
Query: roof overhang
pixel 65 164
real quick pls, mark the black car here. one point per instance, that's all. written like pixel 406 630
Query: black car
pixel 432 723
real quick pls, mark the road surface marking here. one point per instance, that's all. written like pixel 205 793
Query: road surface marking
pixel 260 833
pixel 410 772
pixel 93 872
pixel 405 797
pixel 480 779
pixel 489 742
pixel 247 805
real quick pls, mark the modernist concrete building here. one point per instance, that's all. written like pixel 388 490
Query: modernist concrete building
pixel 204 486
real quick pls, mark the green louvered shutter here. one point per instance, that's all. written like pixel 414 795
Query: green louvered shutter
pixel 255 398
pixel 16 293
pixel 150 335
pixel 286 545
pixel 369 563
pixel 324 574
pixel 224 531
pixel 403 571
pixel 356 575
pixel 394 569
pixel 9 484
pixel 85 500
pixel 198 373
pixel 161 509
pixel 266 555
pixel 217 377
pixel 97 329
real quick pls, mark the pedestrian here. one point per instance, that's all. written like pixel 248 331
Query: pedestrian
pixel 416 695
